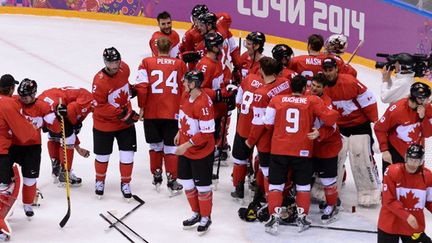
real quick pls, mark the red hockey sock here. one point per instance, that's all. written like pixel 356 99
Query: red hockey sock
pixel 303 200
pixel 205 203
pixel 331 194
pixel 192 197
pixel 70 156
pixel 126 172
pixel 28 194
pixel 101 169
pixel 171 162
pixel 239 173
pixel 53 149
pixel 260 180
pixel 155 160
pixel 274 200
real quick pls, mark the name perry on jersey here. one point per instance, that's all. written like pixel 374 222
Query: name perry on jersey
pixel 165 61
pixel 297 100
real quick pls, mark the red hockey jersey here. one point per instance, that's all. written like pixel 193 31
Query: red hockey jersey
pixel 329 143
pixel 39 114
pixel 79 102
pixel 291 118
pixel 307 65
pixel 175 42
pixel 159 86
pixel 354 101
pixel 258 134
pixel 248 66
pixel 288 73
pixel 244 99
pixel 14 124
pixel 190 39
pixel 112 95
pixel 342 67
pixel 401 126
pixel 404 194
pixel 196 124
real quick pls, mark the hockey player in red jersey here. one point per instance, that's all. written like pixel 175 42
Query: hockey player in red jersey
pixel 258 135
pixel 165 26
pixel 358 109
pixel 249 60
pixel 283 54
pixel 406 192
pixel 335 46
pixel 292 118
pixel 113 117
pixel 76 104
pixel 406 121
pixel 310 64
pixel 195 149
pixel 28 154
pixel 159 87
pixel 12 124
pixel 193 36
pixel 327 145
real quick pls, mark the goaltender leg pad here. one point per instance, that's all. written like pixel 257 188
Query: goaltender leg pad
pixel 364 170
pixel 7 201
pixel 342 156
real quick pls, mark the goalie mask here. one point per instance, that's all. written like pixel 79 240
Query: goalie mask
pixel 336 44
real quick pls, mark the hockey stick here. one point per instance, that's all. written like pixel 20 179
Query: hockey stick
pixel 138 199
pixel 127 227
pixel 215 177
pixel 337 228
pixel 119 230
pixel 68 213
pixel 355 51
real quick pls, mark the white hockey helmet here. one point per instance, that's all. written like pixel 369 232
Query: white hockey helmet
pixel 336 44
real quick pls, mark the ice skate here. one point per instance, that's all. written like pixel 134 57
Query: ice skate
pixel 204 225
pixel 28 210
pixel 55 166
pixel 74 180
pixel 174 187
pixel 126 191
pixel 157 179
pixel 192 221
pixel 238 193
pixel 330 214
pixel 99 189
pixel 272 224
pixel 302 221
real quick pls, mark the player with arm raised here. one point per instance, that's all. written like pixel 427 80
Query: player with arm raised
pixel 406 121
pixel 159 87
pixel 291 117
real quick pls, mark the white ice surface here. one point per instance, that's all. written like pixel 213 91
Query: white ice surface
pixel 60 52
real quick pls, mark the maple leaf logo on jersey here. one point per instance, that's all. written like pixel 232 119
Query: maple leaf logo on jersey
pixel 122 98
pixel 409 132
pixel 184 125
pixel 409 201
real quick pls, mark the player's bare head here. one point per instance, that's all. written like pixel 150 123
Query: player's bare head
pixel 319 82
pixel 7 84
pixel 415 156
pixel 163 45
pixel 298 84
pixel 315 42
pixel 269 66
pixel 112 60
pixel 164 22
pixel 27 91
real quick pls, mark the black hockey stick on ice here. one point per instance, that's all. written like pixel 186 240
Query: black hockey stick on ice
pixel 338 228
pixel 127 227
pixel 216 176
pixel 138 199
pixel 115 227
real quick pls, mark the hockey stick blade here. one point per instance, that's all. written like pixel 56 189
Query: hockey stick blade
pixel 115 227
pixel 67 216
pixel 127 226
pixel 138 199
pixel 338 228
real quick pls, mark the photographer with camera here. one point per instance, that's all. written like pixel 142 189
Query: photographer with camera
pixel 395 89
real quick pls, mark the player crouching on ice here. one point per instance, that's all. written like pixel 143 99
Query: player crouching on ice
pixel 407 190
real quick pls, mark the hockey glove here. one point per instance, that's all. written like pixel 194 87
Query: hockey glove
pixel 127 116
pixel 190 57
pixel 61 110
pixel 421 237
